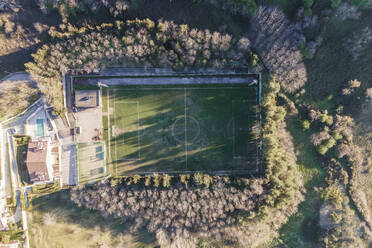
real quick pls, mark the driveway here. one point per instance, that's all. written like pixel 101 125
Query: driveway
pixel 18 77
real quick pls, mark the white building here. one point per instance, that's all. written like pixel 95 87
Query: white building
pixel 39 125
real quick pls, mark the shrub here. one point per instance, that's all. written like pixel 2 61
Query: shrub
pixel 335 3
pixel 330 143
pixel 318 138
pixel 336 217
pixel 322 149
pixel 325 118
pixel 137 178
pixel 198 178
pixel 369 93
pixel 166 180
pixel 340 109
pixel 207 180
pixel 337 135
pixel 156 179
pixel 305 124
pixel 334 195
pixel 184 178
pixel 147 180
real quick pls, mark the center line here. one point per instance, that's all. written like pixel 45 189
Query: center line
pixel 185 127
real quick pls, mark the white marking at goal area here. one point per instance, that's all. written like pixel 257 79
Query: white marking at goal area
pixel 123 128
pixel 185 127
pixel 233 127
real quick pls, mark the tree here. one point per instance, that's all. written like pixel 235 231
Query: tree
pixel 277 42
pixel 334 195
pixel 335 3
pixel 305 124
pixel 184 178
pixel 137 178
pixel 166 180
pixel 198 178
pixel 156 179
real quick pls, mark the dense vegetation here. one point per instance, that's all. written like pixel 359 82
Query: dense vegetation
pixel 277 41
pixel 177 212
pixel 134 43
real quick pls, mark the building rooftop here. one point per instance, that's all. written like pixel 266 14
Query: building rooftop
pixel 37 161
pixel 11 244
pixel 86 98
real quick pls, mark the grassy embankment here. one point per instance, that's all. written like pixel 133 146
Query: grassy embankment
pixel 328 72
pixel 55 221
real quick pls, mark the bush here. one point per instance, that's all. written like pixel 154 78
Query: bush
pixel 156 179
pixel 369 93
pixel 337 135
pixel 184 178
pixel 305 124
pixel 166 180
pixel 330 143
pixel 334 195
pixel 335 3
pixel 322 149
pixel 325 118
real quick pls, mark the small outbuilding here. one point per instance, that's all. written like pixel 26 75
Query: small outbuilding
pixel 86 98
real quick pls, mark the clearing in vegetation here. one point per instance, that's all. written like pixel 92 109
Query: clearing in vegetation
pixel 188 127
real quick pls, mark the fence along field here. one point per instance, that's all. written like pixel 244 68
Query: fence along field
pixel 179 128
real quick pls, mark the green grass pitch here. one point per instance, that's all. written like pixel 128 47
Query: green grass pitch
pixel 169 128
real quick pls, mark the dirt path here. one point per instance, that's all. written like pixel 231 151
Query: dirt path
pixel 17 77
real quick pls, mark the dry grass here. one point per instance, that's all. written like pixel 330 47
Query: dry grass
pixel 56 223
pixel 363 138
pixel 15 97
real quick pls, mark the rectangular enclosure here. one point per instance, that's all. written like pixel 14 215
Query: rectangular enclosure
pixel 91 162
pixel 188 127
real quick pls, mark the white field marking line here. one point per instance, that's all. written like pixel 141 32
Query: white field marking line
pixel 138 136
pixel 185 127
pixel 257 155
pixel 108 120
pixel 233 126
pixel 116 152
pixel 191 88
pixel 138 132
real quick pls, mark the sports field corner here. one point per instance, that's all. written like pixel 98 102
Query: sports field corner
pixel 184 128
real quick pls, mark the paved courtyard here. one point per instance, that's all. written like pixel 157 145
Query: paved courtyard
pixel 90 122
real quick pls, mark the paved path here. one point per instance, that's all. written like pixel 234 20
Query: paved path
pixel 18 77
pixel 168 80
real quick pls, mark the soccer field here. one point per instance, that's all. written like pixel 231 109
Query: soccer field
pixel 178 128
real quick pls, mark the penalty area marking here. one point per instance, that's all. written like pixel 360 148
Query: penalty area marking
pixel 185 127
pixel 234 129
pixel 122 126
